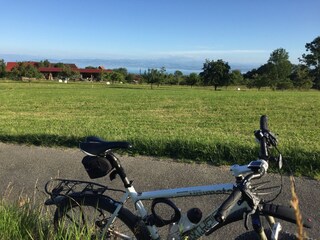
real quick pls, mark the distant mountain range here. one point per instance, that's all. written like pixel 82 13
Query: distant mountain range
pixel 133 65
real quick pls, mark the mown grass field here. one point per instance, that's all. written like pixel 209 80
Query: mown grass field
pixel 198 124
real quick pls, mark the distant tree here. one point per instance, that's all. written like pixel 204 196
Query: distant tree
pixel 90 67
pixel 69 73
pixel 192 79
pixel 163 70
pixel 116 77
pixel 105 76
pixel 258 81
pixel 66 72
pixel 152 76
pixel 101 75
pixel 2 68
pixel 215 73
pixel 171 79
pixel 122 71
pixel 236 77
pixel 301 77
pixel 250 74
pixel 312 60
pixel 279 69
pixel 32 72
pixel 258 77
pixel 285 84
pixel 24 70
pixel 44 63
pixel 130 78
pixel 178 75
pixel 163 75
pixel 59 65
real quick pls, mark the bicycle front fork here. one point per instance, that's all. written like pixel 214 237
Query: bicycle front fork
pixel 275 227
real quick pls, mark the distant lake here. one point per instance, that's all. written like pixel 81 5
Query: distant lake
pixel 138 70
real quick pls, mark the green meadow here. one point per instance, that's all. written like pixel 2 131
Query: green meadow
pixel 192 124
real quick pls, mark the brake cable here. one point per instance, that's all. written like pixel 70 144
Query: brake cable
pixel 272 141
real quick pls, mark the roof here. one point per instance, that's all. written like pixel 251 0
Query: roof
pixel 71 65
pixel 49 69
pixel 91 70
pixel 11 65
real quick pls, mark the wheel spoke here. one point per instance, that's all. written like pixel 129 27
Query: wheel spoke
pixel 88 220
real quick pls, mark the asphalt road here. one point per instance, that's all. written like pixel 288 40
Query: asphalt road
pixel 27 168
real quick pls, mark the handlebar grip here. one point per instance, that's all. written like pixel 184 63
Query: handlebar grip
pixel 264 123
pixel 263 141
pixel 227 205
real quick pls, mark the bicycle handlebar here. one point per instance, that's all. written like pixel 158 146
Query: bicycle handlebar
pixel 265 138
pixel 227 205
pixel 241 191
pixel 264 123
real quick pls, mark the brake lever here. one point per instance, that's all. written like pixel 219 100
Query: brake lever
pixel 252 201
pixel 278 160
pixel 246 218
pixel 272 139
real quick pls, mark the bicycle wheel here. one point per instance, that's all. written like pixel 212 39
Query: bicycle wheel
pixel 282 236
pixel 84 217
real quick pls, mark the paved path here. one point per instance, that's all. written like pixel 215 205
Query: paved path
pixel 23 167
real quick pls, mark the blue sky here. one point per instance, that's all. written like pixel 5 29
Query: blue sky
pixel 236 31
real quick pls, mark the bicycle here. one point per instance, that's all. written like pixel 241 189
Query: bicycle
pixel 111 220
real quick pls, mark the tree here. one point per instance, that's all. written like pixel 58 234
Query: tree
pixel 130 78
pixel 90 67
pixel 215 73
pixel 259 81
pixel 122 71
pixel 259 77
pixel 2 68
pixel 101 75
pixel 152 76
pixel 312 60
pixel 105 76
pixel 236 77
pixel 25 70
pixel 178 76
pixel 162 75
pixel 279 69
pixel 59 65
pixel 116 77
pixel 44 63
pixel 192 79
pixel 171 79
pixel 69 73
pixel 301 78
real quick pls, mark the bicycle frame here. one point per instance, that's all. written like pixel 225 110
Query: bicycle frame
pixel 202 227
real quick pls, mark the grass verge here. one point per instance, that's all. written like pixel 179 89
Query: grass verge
pixel 24 220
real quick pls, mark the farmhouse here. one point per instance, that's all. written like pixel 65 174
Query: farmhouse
pixel 54 69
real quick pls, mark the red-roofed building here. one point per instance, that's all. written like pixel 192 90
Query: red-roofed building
pixel 52 71
pixel 11 65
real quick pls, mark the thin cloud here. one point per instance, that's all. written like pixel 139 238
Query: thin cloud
pixel 210 52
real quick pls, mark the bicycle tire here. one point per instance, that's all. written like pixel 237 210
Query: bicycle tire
pixel 252 235
pixel 73 220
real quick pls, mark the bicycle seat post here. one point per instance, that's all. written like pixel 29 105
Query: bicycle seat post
pixel 119 170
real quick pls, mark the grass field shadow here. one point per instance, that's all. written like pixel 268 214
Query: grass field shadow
pixel 296 160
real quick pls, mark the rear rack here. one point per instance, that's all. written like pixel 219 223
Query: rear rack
pixel 63 187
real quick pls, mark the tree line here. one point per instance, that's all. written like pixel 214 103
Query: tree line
pixel 277 73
